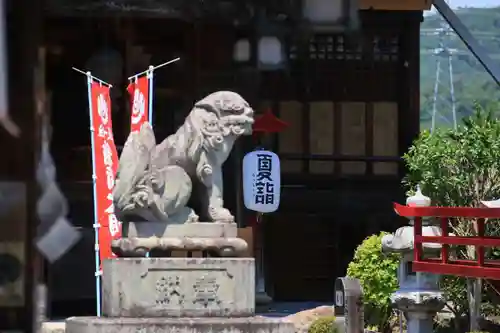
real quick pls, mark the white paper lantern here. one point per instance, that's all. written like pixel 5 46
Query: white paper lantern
pixel 261 181
pixel 270 50
pixel 323 11
pixel 241 52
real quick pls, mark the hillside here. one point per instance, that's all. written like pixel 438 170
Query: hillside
pixel 471 82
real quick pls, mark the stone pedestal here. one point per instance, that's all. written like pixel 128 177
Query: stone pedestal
pixel 419 307
pixel 178 287
pixel 145 295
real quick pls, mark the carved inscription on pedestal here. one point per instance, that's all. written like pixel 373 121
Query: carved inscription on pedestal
pixel 206 289
pixel 169 291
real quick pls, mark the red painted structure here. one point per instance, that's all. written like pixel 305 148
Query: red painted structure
pixel 481 268
pixel 268 123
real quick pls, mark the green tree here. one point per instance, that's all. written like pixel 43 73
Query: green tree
pixel 460 168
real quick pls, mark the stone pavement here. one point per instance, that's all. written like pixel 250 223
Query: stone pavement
pixel 283 309
pixel 303 314
pixel 276 310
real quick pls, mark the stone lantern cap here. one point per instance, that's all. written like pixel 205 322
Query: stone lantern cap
pixel 403 239
pixel 418 199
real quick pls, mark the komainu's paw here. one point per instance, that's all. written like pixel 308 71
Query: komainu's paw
pixel 220 214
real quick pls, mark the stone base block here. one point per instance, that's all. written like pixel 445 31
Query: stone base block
pixel 160 247
pixel 178 287
pixel 177 325
pixel 193 230
pixel 140 238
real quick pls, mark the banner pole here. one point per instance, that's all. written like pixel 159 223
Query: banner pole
pixel 150 99
pixel 92 77
pixel 154 68
pixel 96 218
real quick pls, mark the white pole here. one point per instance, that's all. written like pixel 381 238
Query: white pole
pixel 90 78
pixel 150 99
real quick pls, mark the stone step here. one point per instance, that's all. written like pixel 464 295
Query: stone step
pixel 58 326
pixel 181 325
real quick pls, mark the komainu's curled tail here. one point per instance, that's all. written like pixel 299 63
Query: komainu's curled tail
pixel 135 172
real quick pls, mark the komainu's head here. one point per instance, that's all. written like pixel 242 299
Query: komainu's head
pixel 219 119
pixel 227 112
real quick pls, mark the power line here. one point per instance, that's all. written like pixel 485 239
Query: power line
pixel 443 109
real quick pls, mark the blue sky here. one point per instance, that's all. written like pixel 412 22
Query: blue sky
pixel 474 3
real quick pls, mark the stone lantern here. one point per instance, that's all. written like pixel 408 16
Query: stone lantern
pixel 418 296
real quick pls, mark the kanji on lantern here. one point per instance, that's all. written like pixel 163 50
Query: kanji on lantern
pixel 261 181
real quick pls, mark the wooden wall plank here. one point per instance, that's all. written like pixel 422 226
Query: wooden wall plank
pixel 321 133
pixel 385 136
pixel 353 136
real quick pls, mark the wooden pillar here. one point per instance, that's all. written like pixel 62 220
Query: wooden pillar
pixel 17 170
pixel 409 107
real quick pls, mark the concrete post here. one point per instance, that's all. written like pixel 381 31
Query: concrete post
pixel 349 303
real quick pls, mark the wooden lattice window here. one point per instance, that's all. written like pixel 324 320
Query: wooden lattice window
pixel 329 47
pixel 293 52
pixel 385 48
pixel 335 127
pixel 348 48
pixel 321 47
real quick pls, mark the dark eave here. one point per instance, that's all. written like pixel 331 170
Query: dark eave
pixel 225 10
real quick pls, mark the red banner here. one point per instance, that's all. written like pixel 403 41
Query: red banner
pixel 139 98
pixel 106 164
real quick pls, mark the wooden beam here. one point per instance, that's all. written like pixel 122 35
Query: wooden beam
pixel 395 4
pixel 409 90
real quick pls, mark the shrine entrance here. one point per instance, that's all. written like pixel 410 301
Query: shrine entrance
pixel 344 97
pixel 351 103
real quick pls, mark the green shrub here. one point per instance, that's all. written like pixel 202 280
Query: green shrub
pixel 324 325
pixel 371 328
pixel 377 273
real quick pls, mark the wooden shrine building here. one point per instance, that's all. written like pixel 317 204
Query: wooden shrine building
pixel 350 98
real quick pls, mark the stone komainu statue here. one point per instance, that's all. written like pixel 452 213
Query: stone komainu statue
pixel 163 183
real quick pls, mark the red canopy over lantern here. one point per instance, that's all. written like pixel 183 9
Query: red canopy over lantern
pixel 268 123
